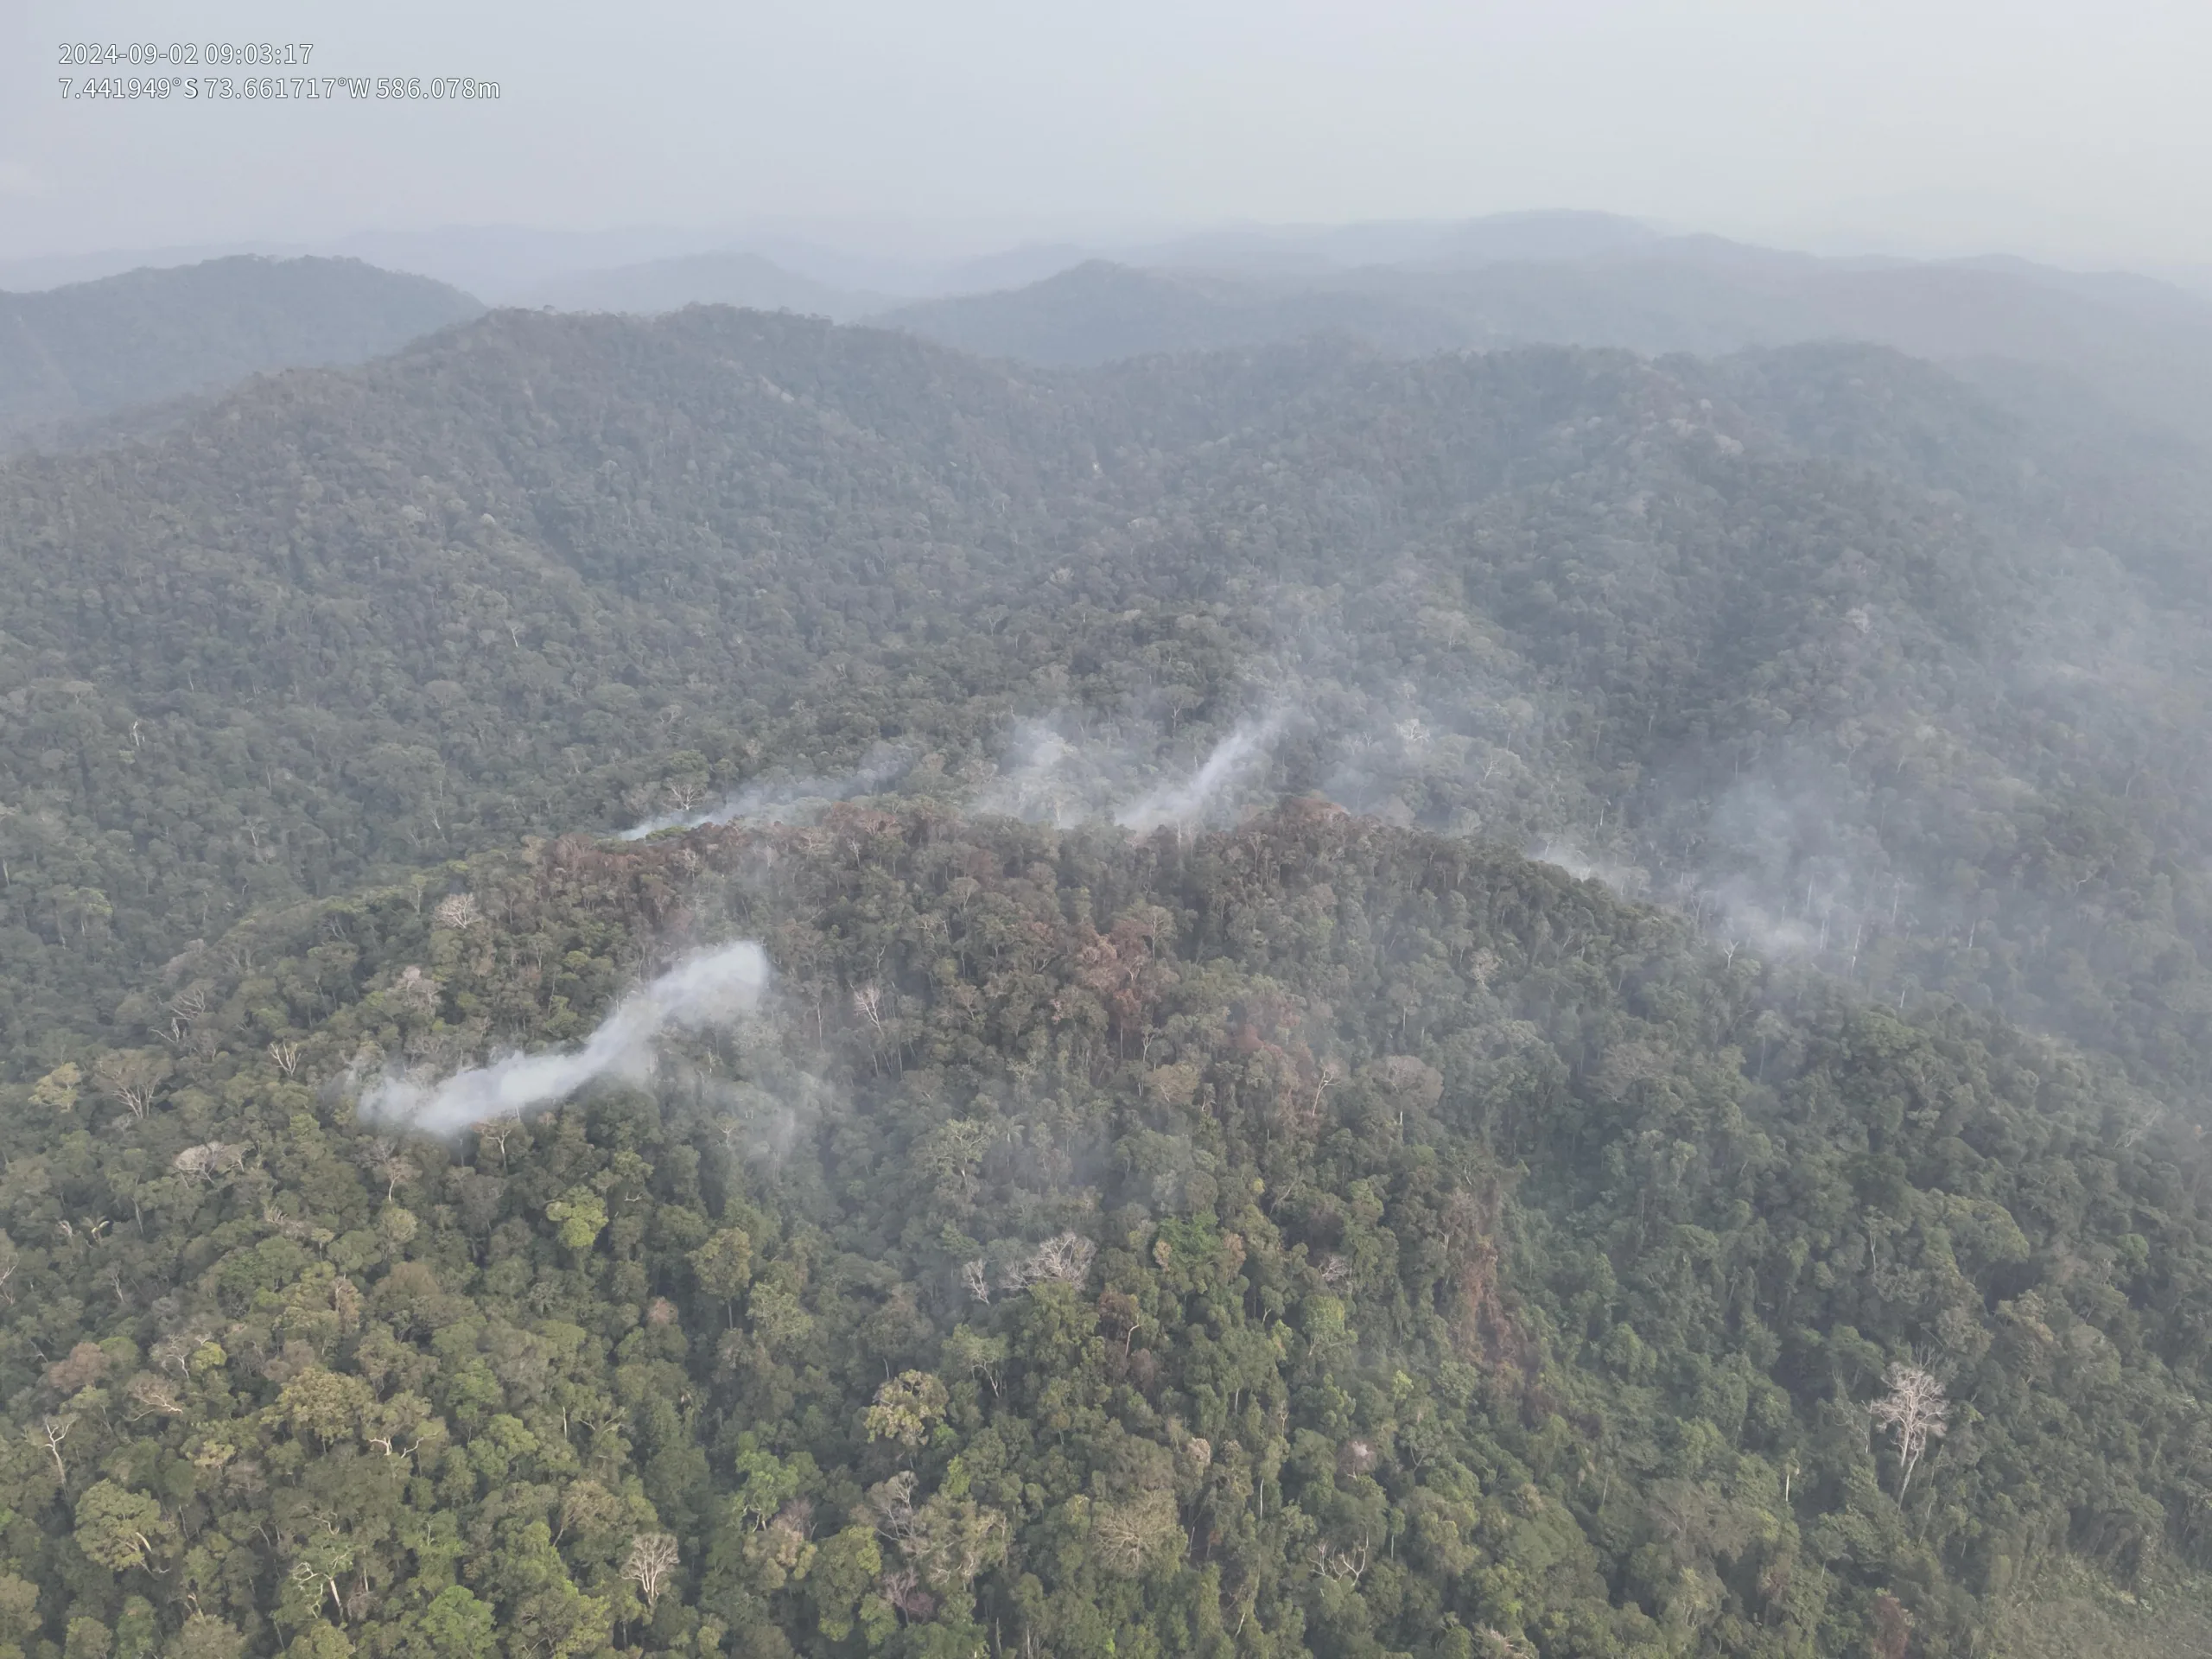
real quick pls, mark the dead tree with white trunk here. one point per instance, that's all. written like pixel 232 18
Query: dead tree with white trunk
pixel 1914 1410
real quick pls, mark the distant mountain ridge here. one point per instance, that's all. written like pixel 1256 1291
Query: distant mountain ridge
pixel 2143 344
pixel 730 276
pixel 77 353
pixel 1101 312
pixel 2138 343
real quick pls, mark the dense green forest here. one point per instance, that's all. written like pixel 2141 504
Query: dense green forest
pixel 71 355
pixel 1193 1183
pixel 1856 660
pixel 1318 1237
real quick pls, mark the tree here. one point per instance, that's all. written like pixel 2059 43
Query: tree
pixel 904 1407
pixel 51 1431
pixel 951 1540
pixel 321 1641
pixel 1124 1535
pixel 1063 1259
pixel 723 1266
pixel 132 1075
pixel 1914 1410
pixel 581 1215
pixel 83 1365
pixel 497 1131
pixel 208 1160
pixel 385 1159
pixel 978 1354
pixel 57 1089
pixel 1121 1310
pixel 846 1567
pixel 976 1280
pixel 766 1482
pixel 118 1528
pixel 87 1638
pixel 652 1557
pixel 328 1405
pixel 587 1507
pixel 18 1609
pixel 456 1626
pixel 154 1394
pixel 205 1636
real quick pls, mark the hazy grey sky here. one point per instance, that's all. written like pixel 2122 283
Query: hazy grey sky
pixel 2065 129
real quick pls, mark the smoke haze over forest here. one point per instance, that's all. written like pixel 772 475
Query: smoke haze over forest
pixel 1158 832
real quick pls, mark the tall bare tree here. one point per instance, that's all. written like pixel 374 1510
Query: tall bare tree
pixel 132 1076
pixel 652 1558
pixel 1914 1410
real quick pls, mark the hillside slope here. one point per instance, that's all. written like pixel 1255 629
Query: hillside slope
pixel 1854 665
pixel 75 353
pixel 1320 1238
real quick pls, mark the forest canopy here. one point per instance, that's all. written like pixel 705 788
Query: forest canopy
pixel 1174 1174
pixel 1319 1237
pixel 1820 642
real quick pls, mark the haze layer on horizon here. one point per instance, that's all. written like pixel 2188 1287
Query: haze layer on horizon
pixel 2053 129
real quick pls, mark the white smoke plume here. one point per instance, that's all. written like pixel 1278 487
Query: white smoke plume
pixel 1054 771
pixel 1630 880
pixel 709 988
pixel 1042 779
pixel 1735 911
pixel 1234 763
pixel 787 800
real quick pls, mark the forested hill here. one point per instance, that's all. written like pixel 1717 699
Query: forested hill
pixel 1101 312
pixel 74 353
pixel 1850 662
pixel 1320 1239
pixel 2142 344
pixel 1167 1174
pixel 729 277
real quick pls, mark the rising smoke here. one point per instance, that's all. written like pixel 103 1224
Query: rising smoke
pixel 1051 775
pixel 787 800
pixel 1630 880
pixel 1233 765
pixel 1047 777
pixel 707 989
